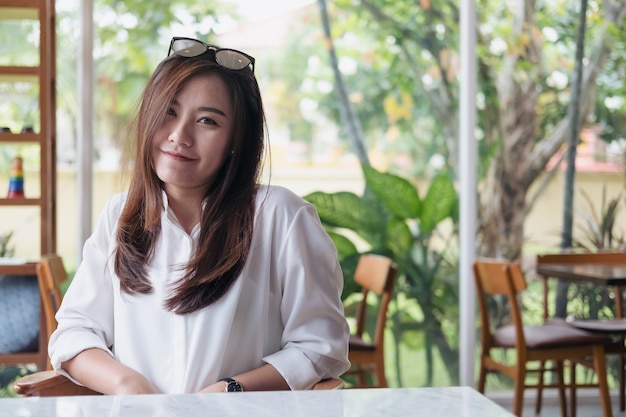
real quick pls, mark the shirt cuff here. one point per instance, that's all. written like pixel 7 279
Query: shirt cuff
pixel 303 369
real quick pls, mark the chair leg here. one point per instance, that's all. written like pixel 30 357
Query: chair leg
pixel 572 381
pixel 599 365
pixel 482 378
pixel 542 367
pixel 361 376
pixel 518 396
pixel 621 377
pixel 381 378
pixel 560 384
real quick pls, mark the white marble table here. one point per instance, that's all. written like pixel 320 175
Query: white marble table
pixel 388 402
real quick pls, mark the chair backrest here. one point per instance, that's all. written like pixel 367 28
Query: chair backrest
pixel 374 273
pixel 496 277
pixel 609 257
pixel 50 275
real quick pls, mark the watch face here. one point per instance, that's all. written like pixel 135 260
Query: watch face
pixel 233 386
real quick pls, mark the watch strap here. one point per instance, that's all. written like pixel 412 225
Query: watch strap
pixel 232 385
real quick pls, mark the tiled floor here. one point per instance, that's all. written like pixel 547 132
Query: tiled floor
pixel 588 404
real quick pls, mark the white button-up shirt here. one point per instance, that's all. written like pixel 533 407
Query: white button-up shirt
pixel 285 308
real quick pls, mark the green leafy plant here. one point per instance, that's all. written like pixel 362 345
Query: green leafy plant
pixel 419 234
pixel 6 251
pixel 598 229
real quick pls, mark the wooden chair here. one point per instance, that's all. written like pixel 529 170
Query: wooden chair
pixel 51 274
pixel 614 328
pixel 53 384
pixel 532 344
pixel 32 354
pixel 377 274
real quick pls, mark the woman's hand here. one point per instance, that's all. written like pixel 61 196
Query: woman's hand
pixel 219 386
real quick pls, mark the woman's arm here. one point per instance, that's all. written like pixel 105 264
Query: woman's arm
pixel 96 369
pixel 265 378
pixel 85 317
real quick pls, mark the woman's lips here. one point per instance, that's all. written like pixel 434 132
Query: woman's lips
pixel 177 156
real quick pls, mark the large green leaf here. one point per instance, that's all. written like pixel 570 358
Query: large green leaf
pixel 342 209
pixel 438 204
pixel 399 238
pixel 363 215
pixel 396 193
pixel 348 267
pixel 344 246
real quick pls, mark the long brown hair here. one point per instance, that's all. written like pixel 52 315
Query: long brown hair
pixel 226 224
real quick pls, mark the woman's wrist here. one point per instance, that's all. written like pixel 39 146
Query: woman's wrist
pixel 232 385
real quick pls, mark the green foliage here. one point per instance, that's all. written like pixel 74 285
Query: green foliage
pixel 8 375
pixel 400 63
pixel 19 105
pixel 383 216
pixel 598 230
pixel 6 251
pixel 391 219
pixel 130 38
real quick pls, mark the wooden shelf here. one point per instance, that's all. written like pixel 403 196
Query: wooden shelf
pixel 29 268
pixel 15 202
pixel 20 12
pixel 30 72
pixel 16 74
pixel 20 138
pixel 20 4
pixel 43 74
pixel 19 141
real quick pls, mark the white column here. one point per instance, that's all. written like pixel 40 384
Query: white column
pixel 85 125
pixel 467 192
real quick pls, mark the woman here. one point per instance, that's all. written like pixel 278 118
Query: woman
pixel 198 279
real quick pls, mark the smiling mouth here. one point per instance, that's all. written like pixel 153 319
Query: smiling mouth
pixel 177 156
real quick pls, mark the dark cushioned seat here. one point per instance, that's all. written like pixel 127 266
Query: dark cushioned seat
pixel 19 314
pixel 547 336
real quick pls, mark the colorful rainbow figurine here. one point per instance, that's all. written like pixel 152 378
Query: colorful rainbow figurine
pixel 16 180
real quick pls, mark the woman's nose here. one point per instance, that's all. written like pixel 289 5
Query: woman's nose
pixel 180 133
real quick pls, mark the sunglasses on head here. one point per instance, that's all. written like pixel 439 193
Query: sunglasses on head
pixel 228 58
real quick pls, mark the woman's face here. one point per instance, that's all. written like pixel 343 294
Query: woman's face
pixel 194 141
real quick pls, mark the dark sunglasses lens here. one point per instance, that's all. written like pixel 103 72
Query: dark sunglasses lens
pixel 231 59
pixel 188 48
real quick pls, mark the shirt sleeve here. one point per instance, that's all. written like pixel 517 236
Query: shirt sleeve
pixel 316 332
pixel 85 317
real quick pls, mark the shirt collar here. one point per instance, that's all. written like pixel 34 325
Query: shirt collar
pixel 172 217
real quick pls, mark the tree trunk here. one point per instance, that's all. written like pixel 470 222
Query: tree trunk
pixel 507 181
pixel 572 142
pixel 348 114
pixel 522 158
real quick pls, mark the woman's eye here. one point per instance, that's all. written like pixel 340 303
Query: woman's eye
pixel 207 121
pixel 171 112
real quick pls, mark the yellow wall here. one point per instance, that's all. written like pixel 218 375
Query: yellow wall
pixel 543 225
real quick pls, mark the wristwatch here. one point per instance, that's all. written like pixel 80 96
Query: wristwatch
pixel 232 385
